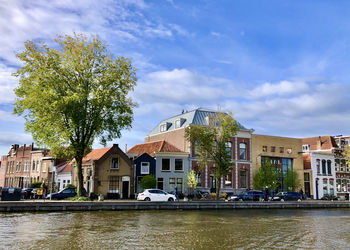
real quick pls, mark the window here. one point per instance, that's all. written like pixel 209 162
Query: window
pixel 228 179
pixel 33 167
pixel 37 165
pixel 243 177
pixel 281 150
pixel 306 147
pixel 264 148
pixel 171 184
pixel 44 169
pixel 242 151
pixel 179 184
pixel 115 163
pixel 144 167
pixel 325 190
pixel 162 127
pixel 113 184
pixel 329 167
pixel 331 187
pixel 179 165
pixel 177 123
pixel 324 170
pixel 199 179
pixel 344 185
pixel 318 166
pixel 166 165
pixel 160 183
pixel 273 148
pixel 289 150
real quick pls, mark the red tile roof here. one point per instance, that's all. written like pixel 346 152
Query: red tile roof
pixel 152 147
pixel 327 142
pixel 95 155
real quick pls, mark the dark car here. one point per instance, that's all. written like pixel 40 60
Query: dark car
pixel 251 195
pixel 287 196
pixel 64 193
pixel 27 193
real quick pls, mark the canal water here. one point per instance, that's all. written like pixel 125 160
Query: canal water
pixel 224 229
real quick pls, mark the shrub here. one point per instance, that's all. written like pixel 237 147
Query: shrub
pixel 36 184
pixel 148 181
pixel 78 198
pixel 69 186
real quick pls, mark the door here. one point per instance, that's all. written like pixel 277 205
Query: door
pixel 125 190
pixel 212 184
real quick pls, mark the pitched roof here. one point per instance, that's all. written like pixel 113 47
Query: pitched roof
pixel 95 155
pixel 326 142
pixel 197 116
pixel 152 147
pixel 64 167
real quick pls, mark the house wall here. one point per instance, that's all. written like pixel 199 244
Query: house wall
pixel 62 179
pixel 175 137
pixel 137 165
pixel 258 141
pixel 3 167
pixel 166 175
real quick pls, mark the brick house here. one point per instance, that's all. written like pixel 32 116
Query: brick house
pixel 239 178
pixel 107 171
pixel 3 166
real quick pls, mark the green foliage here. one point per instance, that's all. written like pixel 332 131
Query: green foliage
pixel 74 93
pixel 292 181
pixel 267 175
pixel 346 154
pixel 148 181
pixel 78 198
pixel 191 181
pixel 36 184
pixel 70 186
pixel 210 143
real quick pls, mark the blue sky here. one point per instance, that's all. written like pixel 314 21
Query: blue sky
pixel 281 67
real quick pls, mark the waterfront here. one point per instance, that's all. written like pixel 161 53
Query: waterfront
pixel 210 229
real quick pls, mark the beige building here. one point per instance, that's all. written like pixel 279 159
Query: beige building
pixel 283 152
pixel 107 171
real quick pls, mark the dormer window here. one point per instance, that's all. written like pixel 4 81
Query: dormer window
pixel 177 124
pixel 163 127
pixel 306 147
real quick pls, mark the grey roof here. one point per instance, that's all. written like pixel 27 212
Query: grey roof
pixel 196 116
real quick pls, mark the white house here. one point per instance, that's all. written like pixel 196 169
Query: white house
pixel 63 175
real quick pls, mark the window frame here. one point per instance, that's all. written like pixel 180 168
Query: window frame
pixel 182 165
pixel 148 167
pixel 112 164
pixel 162 169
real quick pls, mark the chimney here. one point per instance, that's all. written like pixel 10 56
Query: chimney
pixel 319 143
pixel 24 148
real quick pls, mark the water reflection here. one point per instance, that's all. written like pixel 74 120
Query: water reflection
pixel 316 229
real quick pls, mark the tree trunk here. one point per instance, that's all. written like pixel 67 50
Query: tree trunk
pixel 218 185
pixel 80 187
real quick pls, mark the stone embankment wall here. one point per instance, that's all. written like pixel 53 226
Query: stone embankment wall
pixel 48 206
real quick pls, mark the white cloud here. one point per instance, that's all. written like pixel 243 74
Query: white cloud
pixel 7 84
pixel 281 88
pixel 9 138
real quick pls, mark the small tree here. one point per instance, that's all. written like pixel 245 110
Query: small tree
pixel 191 181
pixel 148 181
pixel 267 175
pixel 292 180
pixel 36 184
pixel 210 143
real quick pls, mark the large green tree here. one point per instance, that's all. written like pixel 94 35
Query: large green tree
pixel 266 176
pixel 210 144
pixel 74 93
pixel 292 180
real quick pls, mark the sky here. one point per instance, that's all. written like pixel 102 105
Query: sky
pixel 281 67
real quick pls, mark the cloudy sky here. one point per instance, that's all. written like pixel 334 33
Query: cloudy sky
pixel 282 67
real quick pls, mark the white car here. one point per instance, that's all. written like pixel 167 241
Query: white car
pixel 155 195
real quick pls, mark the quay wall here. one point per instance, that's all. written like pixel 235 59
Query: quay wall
pixel 55 206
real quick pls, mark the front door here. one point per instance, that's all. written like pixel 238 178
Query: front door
pixel 212 184
pixel 125 189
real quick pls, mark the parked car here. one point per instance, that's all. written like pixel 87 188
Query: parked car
pixel 287 196
pixel 65 193
pixel 27 193
pixel 251 195
pixel 155 195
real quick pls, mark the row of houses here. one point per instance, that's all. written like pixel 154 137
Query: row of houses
pixel 166 154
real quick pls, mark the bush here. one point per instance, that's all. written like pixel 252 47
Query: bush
pixel 36 184
pixel 78 198
pixel 148 181
pixel 69 186
pixel 93 196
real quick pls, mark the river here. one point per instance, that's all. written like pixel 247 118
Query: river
pixel 207 229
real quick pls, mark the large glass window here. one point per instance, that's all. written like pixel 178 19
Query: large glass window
pixel 325 191
pixel 228 146
pixel 179 184
pixel 344 185
pixel 113 184
pixel 179 166
pixel 171 184
pixel 144 167
pixel 331 187
pixel 324 171
pixel 243 178
pixel 242 151
pixel 329 167
pixel 160 183
pixel 165 164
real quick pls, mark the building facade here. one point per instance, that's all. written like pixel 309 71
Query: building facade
pixel 107 171
pixel 239 178
pixel 3 166
pixel 63 175
pixel 284 153
pixel 319 163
